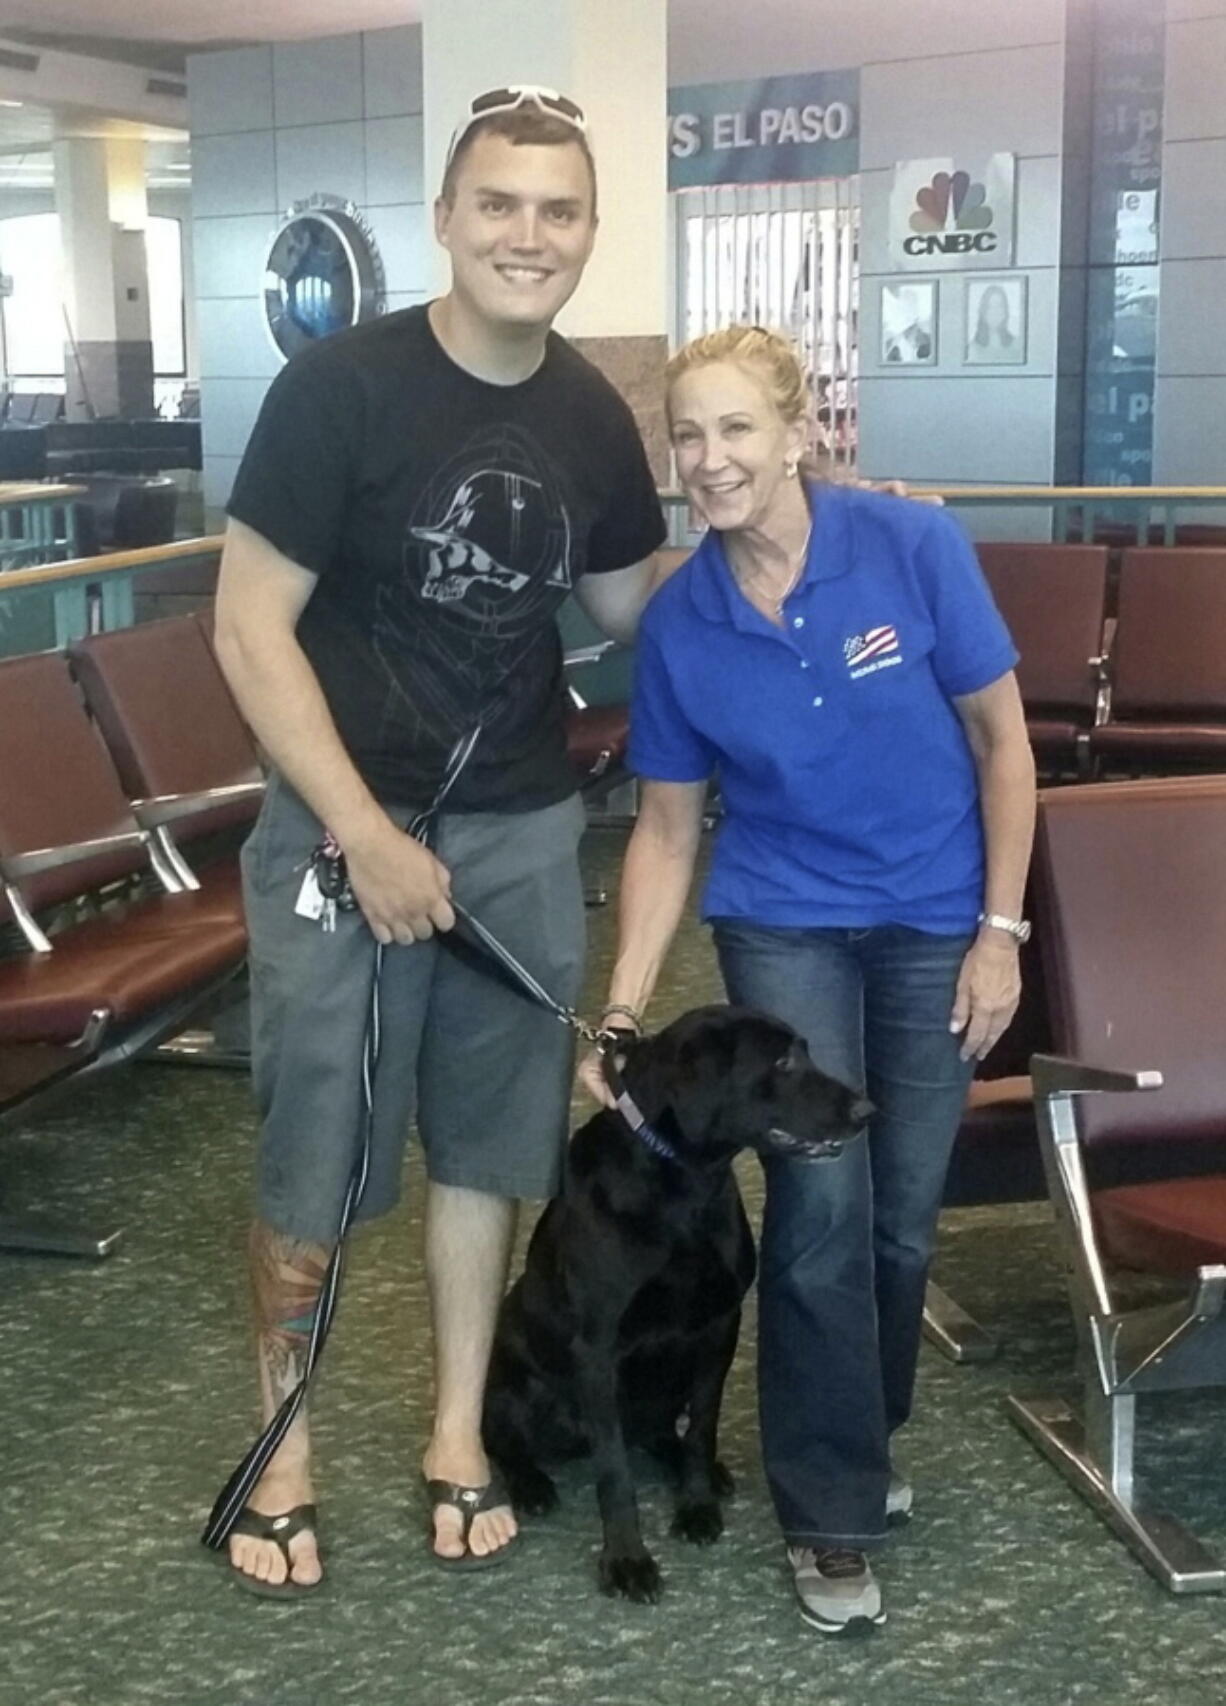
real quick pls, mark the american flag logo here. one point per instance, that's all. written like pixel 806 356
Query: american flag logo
pixel 860 649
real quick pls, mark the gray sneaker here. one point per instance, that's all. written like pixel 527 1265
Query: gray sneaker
pixel 899 1498
pixel 836 1589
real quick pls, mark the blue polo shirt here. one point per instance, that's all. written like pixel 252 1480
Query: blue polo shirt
pixel 849 789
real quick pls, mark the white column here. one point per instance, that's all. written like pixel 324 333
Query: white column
pixel 611 57
pixel 100 197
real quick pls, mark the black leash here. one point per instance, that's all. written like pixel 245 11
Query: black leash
pixel 336 895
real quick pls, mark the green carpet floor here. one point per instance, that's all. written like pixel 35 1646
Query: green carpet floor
pixel 125 1398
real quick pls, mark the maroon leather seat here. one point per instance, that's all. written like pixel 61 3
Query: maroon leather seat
pixel 1168 664
pixel 1130 888
pixel 121 971
pixel 183 753
pixel 66 831
pixel 596 740
pixel 1053 600
pixel 1170 1227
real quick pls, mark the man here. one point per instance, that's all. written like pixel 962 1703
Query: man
pixel 418 498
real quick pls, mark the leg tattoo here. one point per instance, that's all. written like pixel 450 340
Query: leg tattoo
pixel 287 1276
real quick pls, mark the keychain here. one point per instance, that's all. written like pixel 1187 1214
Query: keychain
pixel 326 889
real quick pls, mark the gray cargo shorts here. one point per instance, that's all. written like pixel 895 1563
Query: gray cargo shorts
pixel 486 1072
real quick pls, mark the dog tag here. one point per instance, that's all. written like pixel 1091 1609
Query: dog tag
pixel 310 902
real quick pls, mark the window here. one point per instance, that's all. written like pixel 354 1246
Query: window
pixel 164 259
pixel 33 315
pixel 34 326
pixel 785 256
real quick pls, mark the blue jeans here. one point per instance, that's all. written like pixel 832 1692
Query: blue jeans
pixel 846 1244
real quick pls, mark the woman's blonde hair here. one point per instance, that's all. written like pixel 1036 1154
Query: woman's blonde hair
pixel 769 357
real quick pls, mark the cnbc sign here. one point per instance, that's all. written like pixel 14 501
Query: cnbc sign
pixel 947 214
pixel 772 130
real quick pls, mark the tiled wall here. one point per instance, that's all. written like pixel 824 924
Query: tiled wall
pixel 951 422
pixel 271 126
pixel 937 79
pixel 1190 401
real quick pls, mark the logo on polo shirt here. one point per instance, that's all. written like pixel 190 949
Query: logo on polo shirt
pixel 876 648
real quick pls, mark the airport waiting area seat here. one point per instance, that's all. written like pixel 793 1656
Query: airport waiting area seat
pixel 125 512
pixel 184 756
pixel 110 950
pixel 1129 898
pixel 1054 599
pixel 192 772
pixel 598 717
pixel 1167 669
pixel 598 675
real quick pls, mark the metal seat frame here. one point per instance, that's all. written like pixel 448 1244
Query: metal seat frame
pixel 1123 1353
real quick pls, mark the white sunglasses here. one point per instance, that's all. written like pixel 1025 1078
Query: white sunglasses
pixel 509 100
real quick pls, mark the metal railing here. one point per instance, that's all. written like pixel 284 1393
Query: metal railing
pixel 1152 513
pixel 59 602
pixel 88 594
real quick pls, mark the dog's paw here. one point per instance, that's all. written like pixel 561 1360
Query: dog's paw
pixel 637 1578
pixel 701 1523
pixel 532 1491
pixel 723 1481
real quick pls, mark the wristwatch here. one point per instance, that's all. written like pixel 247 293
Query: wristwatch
pixel 1018 928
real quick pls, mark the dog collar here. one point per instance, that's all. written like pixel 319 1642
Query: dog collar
pixel 630 1111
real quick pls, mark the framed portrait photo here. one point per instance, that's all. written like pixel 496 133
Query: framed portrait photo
pixel 909 323
pixel 996 321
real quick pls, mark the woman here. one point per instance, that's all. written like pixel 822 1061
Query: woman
pixel 834 657
pixel 992 339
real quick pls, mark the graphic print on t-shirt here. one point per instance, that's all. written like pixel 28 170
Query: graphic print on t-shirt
pixel 488 556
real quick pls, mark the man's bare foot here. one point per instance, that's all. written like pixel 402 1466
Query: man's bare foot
pixel 491 1530
pixel 264 1560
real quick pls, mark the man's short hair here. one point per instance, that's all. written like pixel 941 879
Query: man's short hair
pixel 527 126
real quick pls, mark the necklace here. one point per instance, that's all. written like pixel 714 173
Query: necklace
pixel 778 601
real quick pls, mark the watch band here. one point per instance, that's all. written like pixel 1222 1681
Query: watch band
pixel 1018 928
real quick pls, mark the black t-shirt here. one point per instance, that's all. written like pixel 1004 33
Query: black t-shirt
pixel 447 519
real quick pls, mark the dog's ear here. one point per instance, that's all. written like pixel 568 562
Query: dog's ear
pixel 650 1066
pixel 696 1078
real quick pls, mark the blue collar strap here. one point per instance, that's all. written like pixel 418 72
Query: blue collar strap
pixel 629 1110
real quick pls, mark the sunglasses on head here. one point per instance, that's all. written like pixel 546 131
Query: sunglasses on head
pixel 510 100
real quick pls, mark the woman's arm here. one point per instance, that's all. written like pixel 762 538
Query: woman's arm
pixel 655 884
pixel 990 983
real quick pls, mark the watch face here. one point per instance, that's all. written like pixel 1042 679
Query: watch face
pixel 323 273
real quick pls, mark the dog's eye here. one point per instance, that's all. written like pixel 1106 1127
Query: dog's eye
pixel 786 1063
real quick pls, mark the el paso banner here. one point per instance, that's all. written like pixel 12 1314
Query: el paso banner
pixel 773 130
pixel 948 214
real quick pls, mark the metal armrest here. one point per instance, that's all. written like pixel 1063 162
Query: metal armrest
pixel 1056 1081
pixel 588 654
pixel 169 808
pixel 17 865
pixel 1057 1075
pixel 1101 666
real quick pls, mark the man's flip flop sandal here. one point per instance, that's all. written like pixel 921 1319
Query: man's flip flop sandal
pixel 470 1502
pixel 280 1530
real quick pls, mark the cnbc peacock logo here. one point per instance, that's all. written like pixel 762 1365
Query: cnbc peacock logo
pixel 952 217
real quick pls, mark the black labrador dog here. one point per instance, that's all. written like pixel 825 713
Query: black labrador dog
pixel 623 1325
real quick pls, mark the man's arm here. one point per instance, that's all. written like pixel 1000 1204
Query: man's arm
pixel 616 600
pixel 401 888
